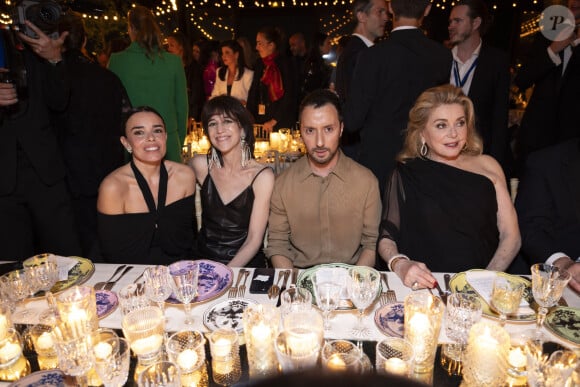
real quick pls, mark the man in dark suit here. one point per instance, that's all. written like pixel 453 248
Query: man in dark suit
pixel 553 68
pixel 387 80
pixel 36 213
pixel 548 202
pixel 370 17
pixel 482 72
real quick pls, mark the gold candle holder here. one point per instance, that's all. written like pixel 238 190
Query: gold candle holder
pixel 144 329
pixel 225 362
pixel 187 350
pixel 394 355
pixel 5 320
pixel 485 362
pixel 13 364
pixel 43 343
pixel 423 316
pixel 260 331
pixel 78 307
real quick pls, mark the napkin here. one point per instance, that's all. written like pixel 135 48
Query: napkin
pixel 482 282
pixel 64 264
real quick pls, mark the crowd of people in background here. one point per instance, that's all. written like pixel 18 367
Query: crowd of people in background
pixel 401 113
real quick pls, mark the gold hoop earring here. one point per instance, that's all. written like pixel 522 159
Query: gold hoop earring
pixel 424 149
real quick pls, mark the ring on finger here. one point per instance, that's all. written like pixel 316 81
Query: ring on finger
pixel 415 285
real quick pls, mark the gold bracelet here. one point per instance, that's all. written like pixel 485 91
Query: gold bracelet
pixel 394 259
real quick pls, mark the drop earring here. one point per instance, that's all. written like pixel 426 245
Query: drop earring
pixel 214 159
pixel 246 152
pixel 424 149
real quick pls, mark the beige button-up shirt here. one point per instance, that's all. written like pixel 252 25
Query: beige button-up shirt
pixel 316 219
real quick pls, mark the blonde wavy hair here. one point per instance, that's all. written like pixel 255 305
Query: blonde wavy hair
pixel 419 115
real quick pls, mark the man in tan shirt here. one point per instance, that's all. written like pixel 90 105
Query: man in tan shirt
pixel 326 207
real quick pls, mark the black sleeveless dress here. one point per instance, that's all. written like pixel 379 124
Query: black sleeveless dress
pixel 225 226
pixel 441 215
pixel 159 237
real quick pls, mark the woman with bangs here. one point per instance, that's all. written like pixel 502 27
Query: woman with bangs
pixel 235 188
pixel 447 207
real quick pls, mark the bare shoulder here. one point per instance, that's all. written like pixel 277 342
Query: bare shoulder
pixel 199 165
pixel 180 172
pixel 487 166
pixel 113 190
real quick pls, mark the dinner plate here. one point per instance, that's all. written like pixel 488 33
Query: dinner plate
pixel 48 378
pixel 390 319
pixel 305 279
pixel 564 322
pixel 227 314
pixel 79 274
pixel 459 284
pixel 107 302
pixel 214 279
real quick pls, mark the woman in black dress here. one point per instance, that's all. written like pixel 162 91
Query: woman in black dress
pixel 447 206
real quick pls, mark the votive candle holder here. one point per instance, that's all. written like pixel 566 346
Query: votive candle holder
pixel 261 323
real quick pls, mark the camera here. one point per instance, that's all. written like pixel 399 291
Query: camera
pixel 44 14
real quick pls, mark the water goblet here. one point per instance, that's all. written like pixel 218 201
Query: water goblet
pixel 506 296
pixel 18 287
pixel 160 374
pixel 112 359
pixel 363 286
pixel 327 293
pixel 133 297
pixel 295 299
pixel 158 284
pixel 184 286
pixel 548 283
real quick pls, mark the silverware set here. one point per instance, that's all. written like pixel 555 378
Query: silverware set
pixel 274 290
pixel 387 296
pixel 238 291
pixel 108 284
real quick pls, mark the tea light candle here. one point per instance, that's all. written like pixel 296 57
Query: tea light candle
pixel 261 333
pixel 302 344
pixel 517 358
pixel 9 352
pixel 222 347
pixel 396 366
pixel 187 359
pixel 44 341
pixel 147 345
pixel 274 140
pixel 223 367
pixel 485 343
pixel 103 350
pixel 336 363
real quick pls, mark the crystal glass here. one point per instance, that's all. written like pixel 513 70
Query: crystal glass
pixel 297 351
pixel 112 359
pixel 305 321
pixel 485 362
pixel 160 374
pixel 17 287
pixel 225 356
pixel 548 371
pixel 13 364
pixel 341 355
pixel 327 290
pixel 261 323
pixel 43 343
pixel 506 297
pixel 423 316
pixel 294 299
pixel 144 328
pixel 185 289
pixel 394 355
pixel 74 350
pixel 133 297
pixel 78 305
pixel 158 284
pixel 548 283
pixel 5 319
pixel 363 286
pixel 45 274
pixel 187 350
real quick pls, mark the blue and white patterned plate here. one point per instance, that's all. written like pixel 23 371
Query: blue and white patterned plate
pixel 214 279
pixel 227 314
pixel 390 319
pixel 49 378
pixel 107 302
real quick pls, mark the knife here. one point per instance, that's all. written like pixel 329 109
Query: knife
pixel 286 276
pixel 442 294
pixel 447 278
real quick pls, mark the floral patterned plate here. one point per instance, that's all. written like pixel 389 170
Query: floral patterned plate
pixel 214 279
pixel 78 275
pixel 227 314
pixel 49 378
pixel 390 319
pixel 564 322
pixel 107 302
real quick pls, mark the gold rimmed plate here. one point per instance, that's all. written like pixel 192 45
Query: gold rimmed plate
pixel 78 275
pixel 564 322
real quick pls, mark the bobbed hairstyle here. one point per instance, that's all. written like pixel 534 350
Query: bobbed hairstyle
pixel 139 109
pixel 319 98
pixel 419 114
pixel 147 32
pixel 229 107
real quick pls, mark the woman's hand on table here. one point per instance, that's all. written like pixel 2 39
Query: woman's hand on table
pixel 415 275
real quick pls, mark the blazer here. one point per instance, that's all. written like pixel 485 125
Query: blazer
pixel 489 93
pixel 240 87
pixel 159 83
pixel 387 80
pixel 346 63
pixel 548 202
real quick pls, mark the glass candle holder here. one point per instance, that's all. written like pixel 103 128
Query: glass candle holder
pixel 225 356
pixel 101 349
pixel 43 343
pixel 13 364
pixel 78 307
pixel 145 329
pixel 517 361
pixel 341 356
pixel 112 360
pixel 423 316
pixel 297 350
pixel 160 374
pixel 260 332
pixel 187 350
pixel 295 299
pixel 74 351
pixel 309 322
pixel 394 355
pixel 485 361
pixel 133 297
pixel 5 320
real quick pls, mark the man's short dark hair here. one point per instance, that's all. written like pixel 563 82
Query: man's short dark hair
pixel 413 9
pixel 361 6
pixel 475 9
pixel 319 98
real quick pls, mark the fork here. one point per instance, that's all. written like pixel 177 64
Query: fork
pixel 275 289
pixel 234 289
pixel 109 286
pixel 242 288
pixel 389 296
pixel 101 285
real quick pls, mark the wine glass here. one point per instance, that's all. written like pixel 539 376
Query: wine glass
pixel 506 296
pixel 18 287
pixel 363 286
pixel 158 284
pixel 112 359
pixel 327 291
pixel 548 283
pixel 184 284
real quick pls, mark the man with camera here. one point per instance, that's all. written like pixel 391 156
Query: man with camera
pixel 34 202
